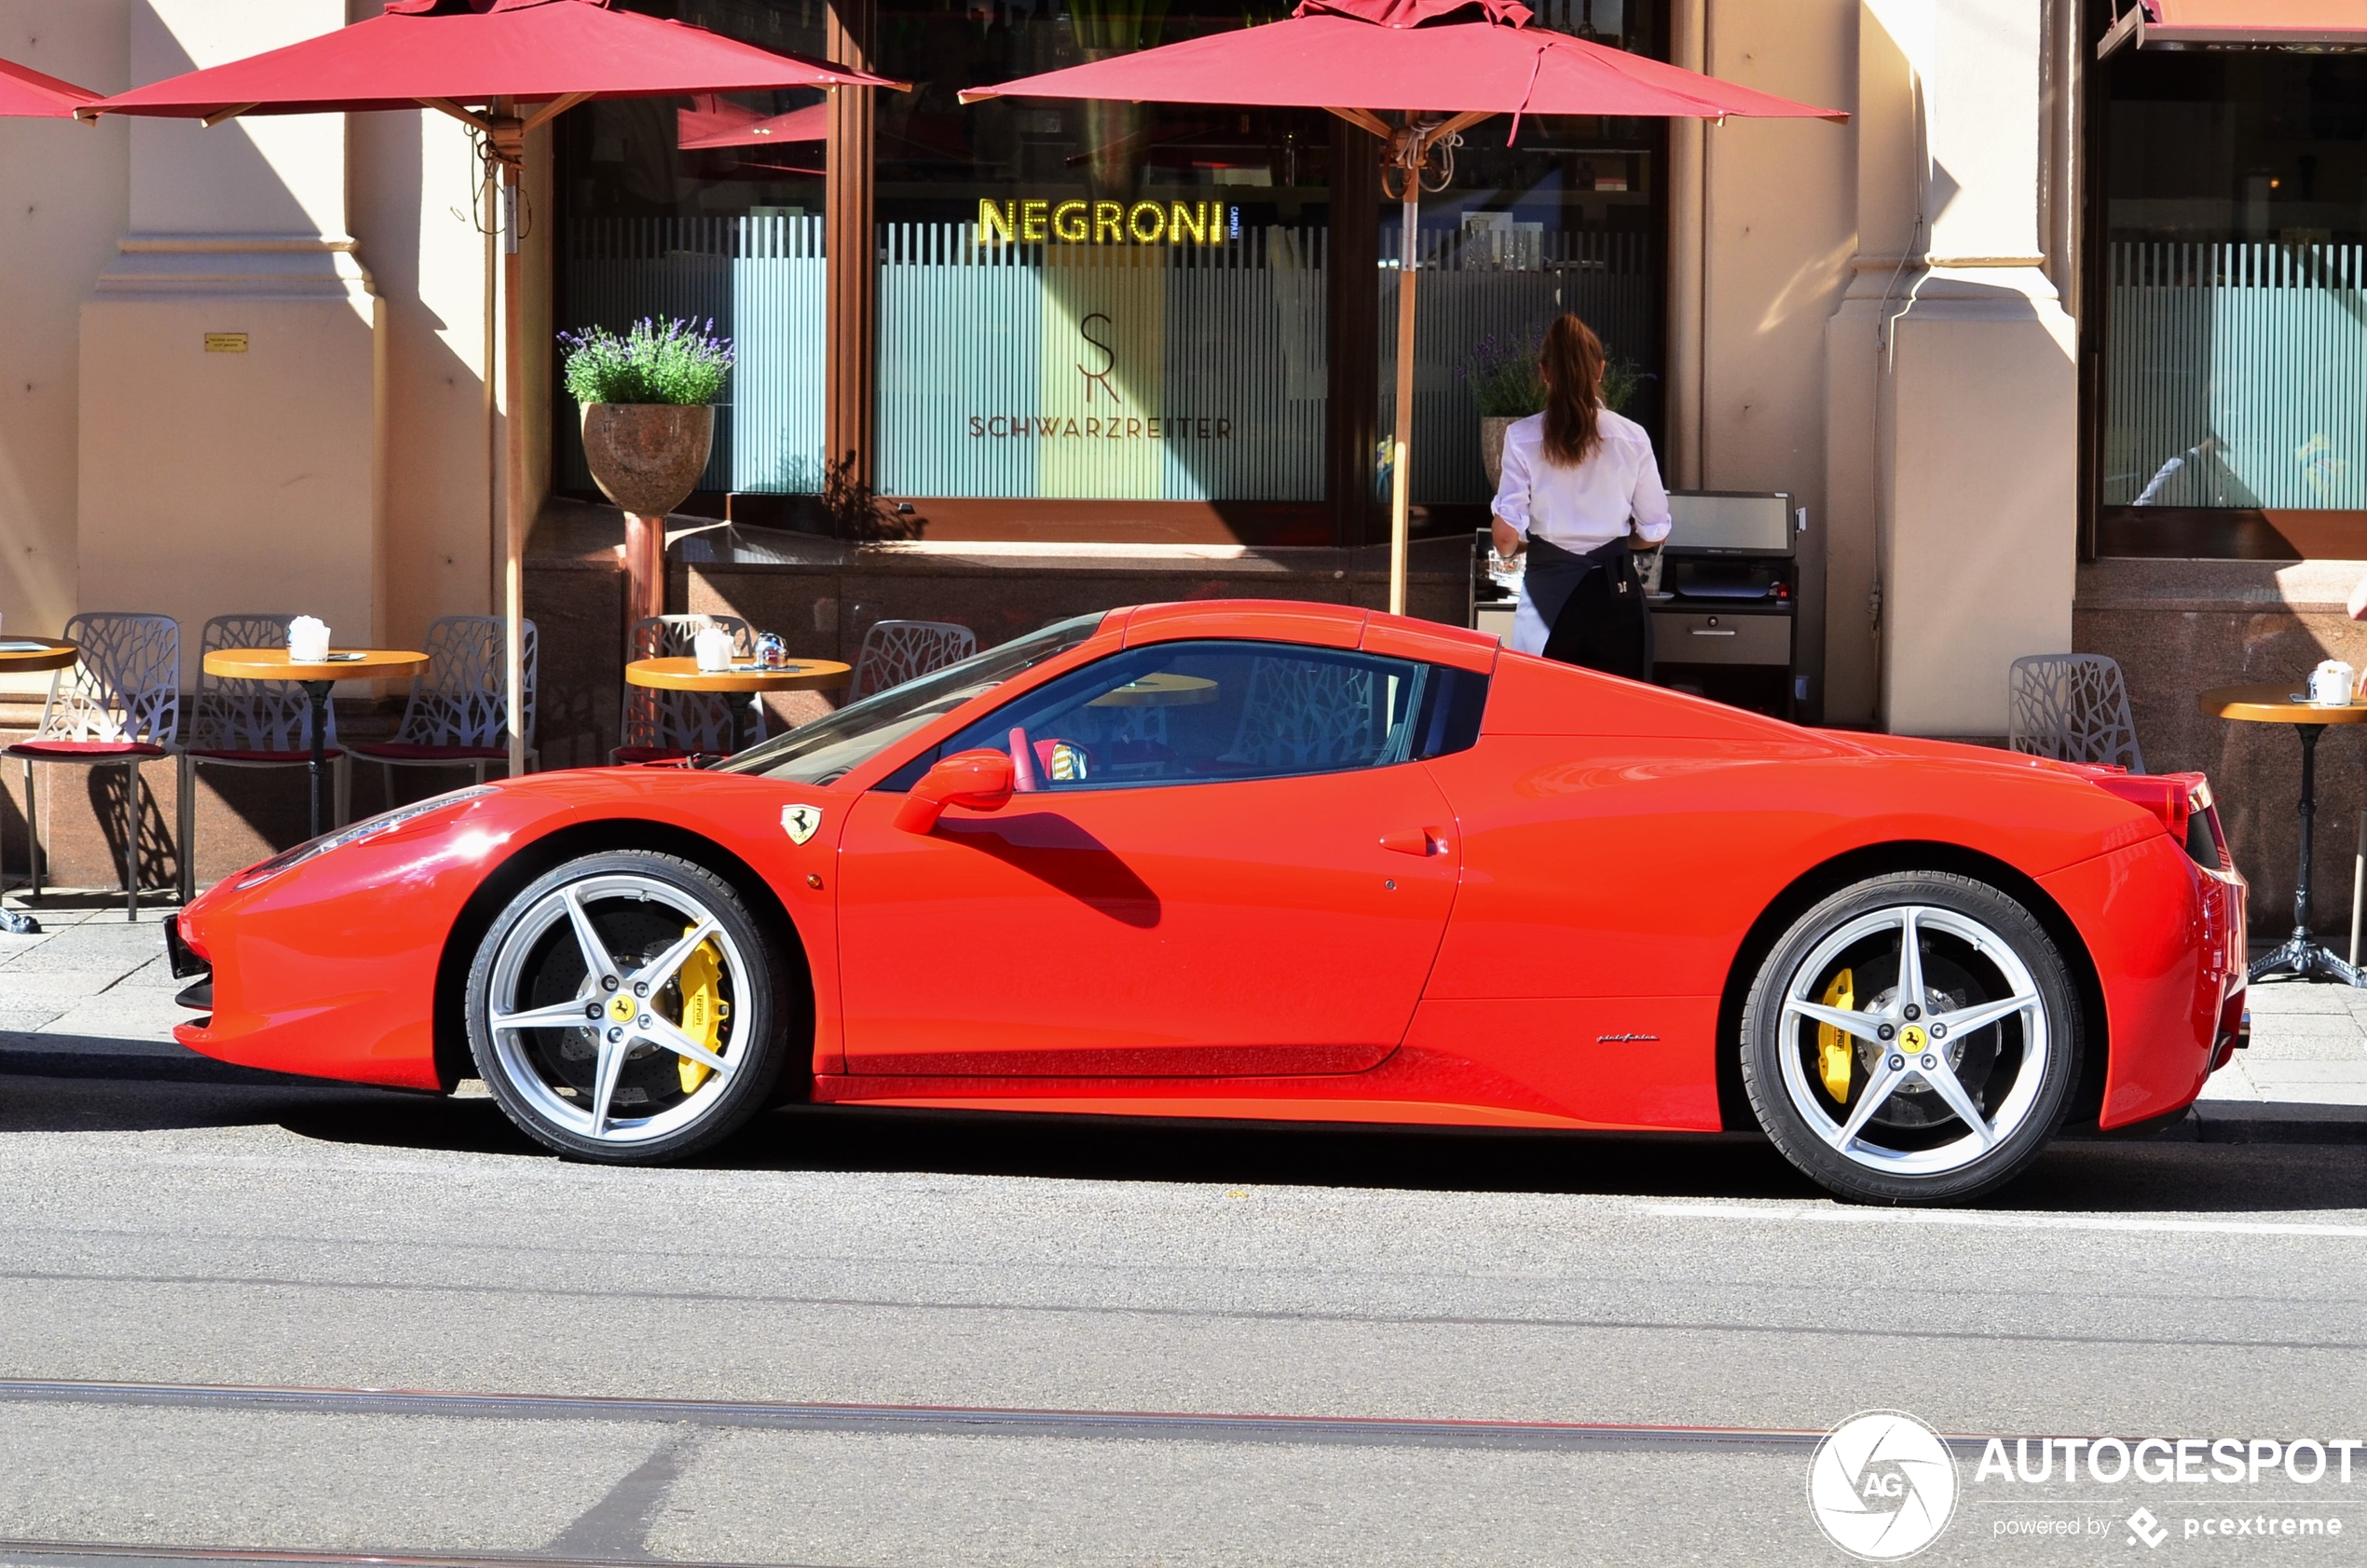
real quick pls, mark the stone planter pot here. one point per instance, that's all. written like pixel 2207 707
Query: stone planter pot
pixel 1492 428
pixel 647 458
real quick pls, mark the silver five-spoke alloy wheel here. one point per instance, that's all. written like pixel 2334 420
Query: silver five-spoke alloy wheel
pixel 621 1009
pixel 1913 1038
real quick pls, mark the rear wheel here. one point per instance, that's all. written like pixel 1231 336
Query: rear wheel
pixel 1913 1038
pixel 626 1008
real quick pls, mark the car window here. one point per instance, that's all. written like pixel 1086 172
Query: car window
pixel 823 751
pixel 1204 712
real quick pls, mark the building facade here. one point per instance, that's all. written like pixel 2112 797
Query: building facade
pixel 2055 349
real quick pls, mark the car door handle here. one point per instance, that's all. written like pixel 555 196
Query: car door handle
pixel 1420 843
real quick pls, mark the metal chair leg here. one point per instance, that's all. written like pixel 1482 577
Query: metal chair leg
pixel 341 773
pixel 386 771
pixel 32 831
pixel 185 815
pixel 131 842
pixel 477 770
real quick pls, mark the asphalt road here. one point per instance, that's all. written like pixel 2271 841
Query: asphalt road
pixel 905 1339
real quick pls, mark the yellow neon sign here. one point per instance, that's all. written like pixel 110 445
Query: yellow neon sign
pixel 1039 221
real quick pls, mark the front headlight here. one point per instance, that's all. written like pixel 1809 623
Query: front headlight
pixel 369 828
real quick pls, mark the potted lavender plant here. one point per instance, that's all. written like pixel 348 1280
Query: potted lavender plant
pixel 1507 385
pixel 647 400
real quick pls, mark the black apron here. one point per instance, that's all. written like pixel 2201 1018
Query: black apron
pixel 1592 606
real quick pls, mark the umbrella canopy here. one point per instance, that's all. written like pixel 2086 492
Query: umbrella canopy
pixel 1411 54
pixel 1443 65
pixel 722 124
pixel 27 94
pixel 501 57
pixel 470 52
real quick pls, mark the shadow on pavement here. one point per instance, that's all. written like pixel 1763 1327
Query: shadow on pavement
pixel 123 1092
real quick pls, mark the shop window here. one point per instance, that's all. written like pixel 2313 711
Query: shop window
pixel 1572 215
pixel 2228 262
pixel 1093 300
pixel 709 209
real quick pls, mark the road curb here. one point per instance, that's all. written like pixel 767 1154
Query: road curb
pixel 2238 1120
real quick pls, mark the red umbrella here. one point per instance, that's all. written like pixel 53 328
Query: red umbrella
pixel 722 124
pixel 27 94
pixel 1443 64
pixel 504 67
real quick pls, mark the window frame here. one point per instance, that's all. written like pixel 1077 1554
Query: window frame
pixel 1442 717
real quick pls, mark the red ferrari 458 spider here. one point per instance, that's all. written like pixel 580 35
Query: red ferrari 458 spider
pixel 1260 859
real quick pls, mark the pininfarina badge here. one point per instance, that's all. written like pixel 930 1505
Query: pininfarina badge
pixel 800 823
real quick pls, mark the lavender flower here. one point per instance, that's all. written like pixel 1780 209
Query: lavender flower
pixel 679 363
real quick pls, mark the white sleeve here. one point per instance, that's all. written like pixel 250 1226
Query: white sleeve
pixel 1648 501
pixel 1511 491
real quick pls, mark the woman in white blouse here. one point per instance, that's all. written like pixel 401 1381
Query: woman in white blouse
pixel 1579 483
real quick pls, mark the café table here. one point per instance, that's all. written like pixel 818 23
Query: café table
pixel 681 672
pixel 25 656
pixel 2300 955
pixel 318 679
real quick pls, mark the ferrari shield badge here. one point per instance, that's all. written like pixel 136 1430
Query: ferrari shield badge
pixel 800 823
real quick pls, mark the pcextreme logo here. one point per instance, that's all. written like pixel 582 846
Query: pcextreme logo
pixel 1882 1485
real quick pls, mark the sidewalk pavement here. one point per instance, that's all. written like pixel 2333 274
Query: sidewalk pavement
pixel 91 997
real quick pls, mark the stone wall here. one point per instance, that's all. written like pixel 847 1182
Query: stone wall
pixel 2180 628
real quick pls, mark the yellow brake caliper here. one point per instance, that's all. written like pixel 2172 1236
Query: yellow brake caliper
pixel 703 1009
pixel 1835 1053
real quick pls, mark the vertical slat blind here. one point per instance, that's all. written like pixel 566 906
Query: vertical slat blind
pixel 2236 375
pixel 760 279
pixel 1477 285
pixel 1110 372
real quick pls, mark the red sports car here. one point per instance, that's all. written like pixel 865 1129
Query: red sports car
pixel 1260 859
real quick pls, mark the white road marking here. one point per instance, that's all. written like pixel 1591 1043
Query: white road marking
pixel 1779 1213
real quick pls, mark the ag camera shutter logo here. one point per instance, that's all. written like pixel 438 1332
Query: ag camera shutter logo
pixel 1882 1485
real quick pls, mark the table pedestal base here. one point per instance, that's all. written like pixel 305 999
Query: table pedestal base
pixel 2304 958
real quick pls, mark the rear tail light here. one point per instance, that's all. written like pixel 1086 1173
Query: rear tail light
pixel 2183 803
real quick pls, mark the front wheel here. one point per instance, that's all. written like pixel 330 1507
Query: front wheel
pixel 1913 1038
pixel 624 1008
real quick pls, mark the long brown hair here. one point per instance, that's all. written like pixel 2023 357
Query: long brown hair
pixel 1571 362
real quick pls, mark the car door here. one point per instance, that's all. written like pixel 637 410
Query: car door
pixel 1225 858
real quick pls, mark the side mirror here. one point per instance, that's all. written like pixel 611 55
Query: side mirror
pixel 977 780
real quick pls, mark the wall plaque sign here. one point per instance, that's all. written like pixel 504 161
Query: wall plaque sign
pixel 225 343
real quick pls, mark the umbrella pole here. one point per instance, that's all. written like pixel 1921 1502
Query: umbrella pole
pixel 489 223
pixel 1400 486
pixel 513 532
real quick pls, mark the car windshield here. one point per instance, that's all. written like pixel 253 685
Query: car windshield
pixel 823 751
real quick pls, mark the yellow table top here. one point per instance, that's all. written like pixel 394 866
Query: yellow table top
pixel 1161 691
pixel 2272 702
pixel 273 664
pixel 52 655
pixel 682 673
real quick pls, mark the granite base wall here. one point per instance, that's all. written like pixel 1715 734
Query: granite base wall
pixel 2180 628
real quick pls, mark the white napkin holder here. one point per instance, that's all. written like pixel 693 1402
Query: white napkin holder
pixel 712 647
pixel 307 640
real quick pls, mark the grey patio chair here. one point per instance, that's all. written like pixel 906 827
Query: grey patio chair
pixel 456 715
pixel 666 726
pixel 896 652
pixel 118 707
pixel 2073 707
pixel 250 724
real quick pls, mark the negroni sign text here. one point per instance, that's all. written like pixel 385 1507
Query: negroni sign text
pixel 1105 223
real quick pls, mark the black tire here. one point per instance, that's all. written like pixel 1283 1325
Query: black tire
pixel 1980 952
pixel 724 995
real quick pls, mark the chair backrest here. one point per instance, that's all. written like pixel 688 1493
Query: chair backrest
pixel 690 721
pixel 2073 707
pixel 458 700
pixel 1305 713
pixel 896 652
pixel 232 714
pixel 126 686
